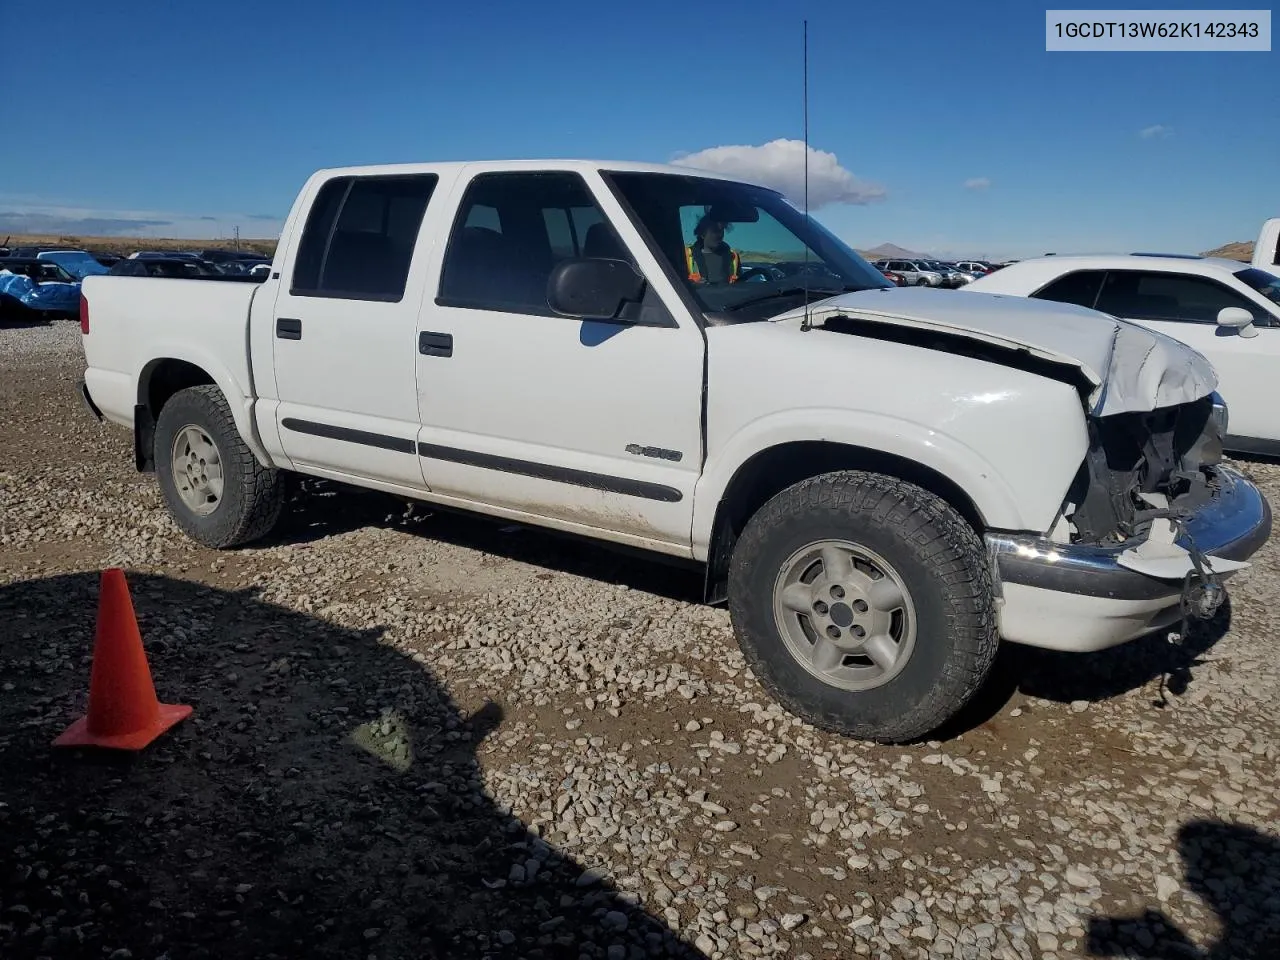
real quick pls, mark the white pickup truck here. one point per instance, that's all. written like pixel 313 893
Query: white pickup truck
pixel 880 482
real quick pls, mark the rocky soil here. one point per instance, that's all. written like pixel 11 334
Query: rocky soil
pixel 425 735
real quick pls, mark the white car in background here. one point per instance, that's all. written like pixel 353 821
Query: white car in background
pixel 1227 310
pixel 917 274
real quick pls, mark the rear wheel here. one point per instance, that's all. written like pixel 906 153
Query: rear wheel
pixel 214 487
pixel 864 605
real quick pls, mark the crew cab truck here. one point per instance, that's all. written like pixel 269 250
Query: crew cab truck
pixel 880 482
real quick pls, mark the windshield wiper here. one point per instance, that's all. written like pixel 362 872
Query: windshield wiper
pixel 821 292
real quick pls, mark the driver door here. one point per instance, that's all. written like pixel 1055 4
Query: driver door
pixel 591 426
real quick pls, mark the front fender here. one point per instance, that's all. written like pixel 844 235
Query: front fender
pixel 237 389
pixel 995 499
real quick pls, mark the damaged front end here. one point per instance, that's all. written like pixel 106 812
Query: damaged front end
pixel 1142 467
pixel 1146 475
pixel 1154 517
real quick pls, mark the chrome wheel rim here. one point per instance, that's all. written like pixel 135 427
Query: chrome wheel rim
pixel 845 614
pixel 196 466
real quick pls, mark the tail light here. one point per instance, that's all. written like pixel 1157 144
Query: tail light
pixel 84 315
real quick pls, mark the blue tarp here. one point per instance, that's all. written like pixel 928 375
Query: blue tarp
pixel 63 297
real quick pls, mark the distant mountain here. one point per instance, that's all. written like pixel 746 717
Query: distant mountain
pixel 1240 250
pixel 891 250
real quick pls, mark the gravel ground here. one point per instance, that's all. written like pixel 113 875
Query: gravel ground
pixel 422 735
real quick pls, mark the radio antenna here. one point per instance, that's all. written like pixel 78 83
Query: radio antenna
pixel 805 325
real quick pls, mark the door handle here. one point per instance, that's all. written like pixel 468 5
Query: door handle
pixel 288 329
pixel 435 344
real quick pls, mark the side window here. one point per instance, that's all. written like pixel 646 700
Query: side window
pixel 544 217
pixel 560 232
pixel 487 217
pixel 1168 296
pixel 1080 288
pixel 359 238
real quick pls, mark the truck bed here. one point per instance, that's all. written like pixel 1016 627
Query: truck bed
pixel 137 321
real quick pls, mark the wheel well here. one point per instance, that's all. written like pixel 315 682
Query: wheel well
pixel 772 471
pixel 160 380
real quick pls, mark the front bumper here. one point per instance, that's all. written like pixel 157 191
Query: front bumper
pixel 1070 597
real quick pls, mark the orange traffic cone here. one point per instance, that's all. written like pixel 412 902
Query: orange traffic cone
pixel 123 711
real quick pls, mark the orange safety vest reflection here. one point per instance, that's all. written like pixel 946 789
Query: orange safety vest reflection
pixel 696 276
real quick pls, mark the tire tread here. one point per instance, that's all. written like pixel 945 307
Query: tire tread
pixel 937 533
pixel 262 488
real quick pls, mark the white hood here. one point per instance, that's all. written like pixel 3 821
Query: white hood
pixel 1132 368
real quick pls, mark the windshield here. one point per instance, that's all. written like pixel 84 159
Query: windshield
pixel 742 250
pixel 76 262
pixel 1264 283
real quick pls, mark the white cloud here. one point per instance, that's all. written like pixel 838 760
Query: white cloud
pixel 977 183
pixel 780 164
pixel 1155 131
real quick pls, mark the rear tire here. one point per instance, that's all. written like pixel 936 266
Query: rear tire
pixel 864 605
pixel 215 488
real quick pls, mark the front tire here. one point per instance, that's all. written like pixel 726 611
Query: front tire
pixel 215 488
pixel 864 605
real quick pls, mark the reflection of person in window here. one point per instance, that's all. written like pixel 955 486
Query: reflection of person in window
pixel 709 259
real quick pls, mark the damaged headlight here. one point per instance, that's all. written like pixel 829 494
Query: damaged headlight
pixel 1218 416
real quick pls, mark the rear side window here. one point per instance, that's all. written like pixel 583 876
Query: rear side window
pixel 1080 288
pixel 1139 295
pixel 359 238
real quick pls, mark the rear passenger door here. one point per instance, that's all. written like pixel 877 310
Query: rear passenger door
pixel 593 426
pixel 345 330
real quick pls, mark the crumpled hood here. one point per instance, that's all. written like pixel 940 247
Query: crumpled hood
pixel 1132 368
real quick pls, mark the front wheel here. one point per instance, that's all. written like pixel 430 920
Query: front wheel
pixel 864 605
pixel 215 488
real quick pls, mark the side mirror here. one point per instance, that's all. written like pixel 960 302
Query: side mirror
pixel 1238 319
pixel 594 289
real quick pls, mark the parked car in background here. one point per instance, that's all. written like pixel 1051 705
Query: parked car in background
pixel 163 255
pixel 898 279
pixel 967 273
pixel 951 277
pixel 976 268
pixel 164 267
pixel 880 483
pixel 78 263
pixel 1227 310
pixel 915 274
pixel 235 261
pixel 232 256
pixel 35 288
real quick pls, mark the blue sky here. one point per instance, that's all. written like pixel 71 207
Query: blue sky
pixel 172 118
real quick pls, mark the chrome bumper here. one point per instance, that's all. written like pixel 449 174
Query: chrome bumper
pixel 1233 525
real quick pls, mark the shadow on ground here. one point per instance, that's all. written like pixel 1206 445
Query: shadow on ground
pixel 323 801
pixel 1093 677
pixel 1236 871
pixel 319 508
pixel 21 318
